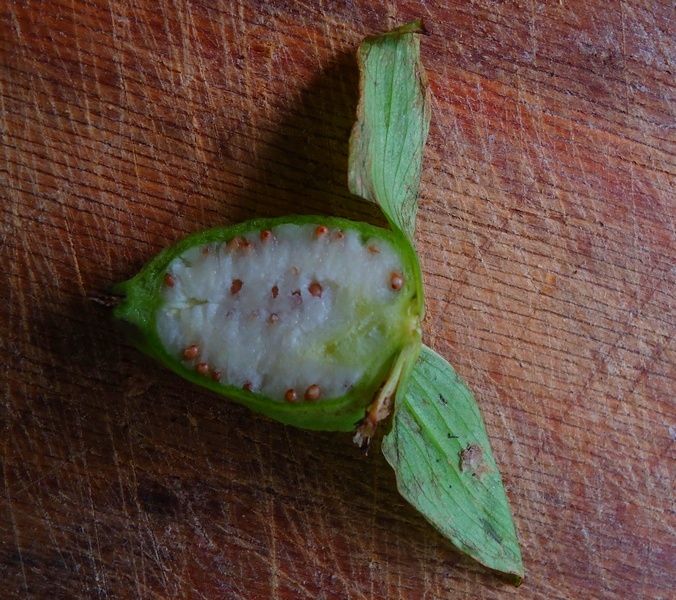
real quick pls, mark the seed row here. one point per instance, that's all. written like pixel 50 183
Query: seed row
pixel 312 394
pixel 192 352
pixel 315 289
pixel 266 235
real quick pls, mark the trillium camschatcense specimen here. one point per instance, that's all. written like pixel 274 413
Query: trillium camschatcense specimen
pixel 316 321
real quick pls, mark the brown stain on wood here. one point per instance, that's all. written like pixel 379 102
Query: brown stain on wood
pixel 546 235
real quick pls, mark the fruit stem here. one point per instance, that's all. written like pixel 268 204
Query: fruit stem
pixel 381 407
pixel 107 300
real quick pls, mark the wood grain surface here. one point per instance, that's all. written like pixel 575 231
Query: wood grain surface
pixel 547 234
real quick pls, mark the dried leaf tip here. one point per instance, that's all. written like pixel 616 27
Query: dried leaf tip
pixel 417 26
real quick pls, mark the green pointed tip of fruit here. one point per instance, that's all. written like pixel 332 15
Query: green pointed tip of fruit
pixel 301 319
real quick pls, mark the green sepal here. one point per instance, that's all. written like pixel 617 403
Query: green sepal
pixel 393 117
pixel 141 299
pixel 439 449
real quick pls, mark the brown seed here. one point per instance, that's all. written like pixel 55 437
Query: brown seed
pixel 312 393
pixel 396 281
pixel 216 375
pixel 236 286
pixel 206 250
pixel 191 352
pixel 275 291
pixel 339 235
pixel 321 230
pixel 169 280
pixel 202 368
pixel 234 244
pixel 315 289
pixel 273 318
pixel 373 249
pixel 296 299
pixel 247 386
pixel 291 395
pixel 266 235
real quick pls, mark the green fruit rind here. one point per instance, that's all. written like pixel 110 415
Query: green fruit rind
pixel 142 299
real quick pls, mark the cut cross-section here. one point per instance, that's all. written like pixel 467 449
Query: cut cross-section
pixel 304 309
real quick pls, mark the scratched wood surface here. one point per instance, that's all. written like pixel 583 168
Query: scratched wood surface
pixel 546 233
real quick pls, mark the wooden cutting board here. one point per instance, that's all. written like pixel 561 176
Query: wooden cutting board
pixel 547 236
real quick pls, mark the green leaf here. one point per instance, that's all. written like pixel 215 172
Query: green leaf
pixel 393 116
pixel 440 452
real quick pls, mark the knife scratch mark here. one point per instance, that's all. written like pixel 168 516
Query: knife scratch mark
pixel 12 517
pixel 73 252
pixel 95 555
pixel 272 532
pixel 122 473
pixel 624 54
pixel 621 333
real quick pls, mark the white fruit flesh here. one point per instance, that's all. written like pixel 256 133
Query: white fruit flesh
pixel 302 307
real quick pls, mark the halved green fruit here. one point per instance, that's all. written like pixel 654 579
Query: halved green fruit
pixel 315 321
pixel 304 319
